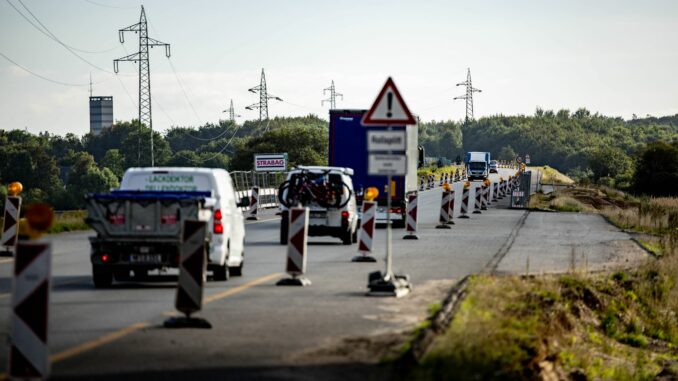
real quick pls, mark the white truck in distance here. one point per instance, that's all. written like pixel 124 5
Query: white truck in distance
pixel 139 225
pixel 477 165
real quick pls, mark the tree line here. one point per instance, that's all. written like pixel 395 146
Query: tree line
pixel 640 155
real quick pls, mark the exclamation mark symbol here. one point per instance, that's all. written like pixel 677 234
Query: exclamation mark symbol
pixel 389 100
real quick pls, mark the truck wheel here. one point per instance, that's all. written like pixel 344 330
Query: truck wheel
pixel 398 224
pixel 221 273
pixel 102 276
pixel 284 228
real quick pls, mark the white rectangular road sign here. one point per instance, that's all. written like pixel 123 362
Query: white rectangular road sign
pixel 384 165
pixel 386 141
pixel 270 162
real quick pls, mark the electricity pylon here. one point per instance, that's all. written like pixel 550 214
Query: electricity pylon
pixel 333 96
pixel 263 98
pixel 231 113
pixel 468 96
pixel 144 71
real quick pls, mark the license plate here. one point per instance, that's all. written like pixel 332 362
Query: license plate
pixel 318 215
pixel 145 258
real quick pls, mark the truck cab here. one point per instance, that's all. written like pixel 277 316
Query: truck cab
pixel 477 165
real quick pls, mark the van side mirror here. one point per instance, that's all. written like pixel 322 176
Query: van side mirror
pixel 244 202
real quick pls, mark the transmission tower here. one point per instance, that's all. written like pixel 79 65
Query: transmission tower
pixel 333 96
pixel 231 113
pixel 468 96
pixel 144 71
pixel 263 98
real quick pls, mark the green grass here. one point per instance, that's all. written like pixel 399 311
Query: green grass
pixel 617 326
pixel 567 204
pixel 69 221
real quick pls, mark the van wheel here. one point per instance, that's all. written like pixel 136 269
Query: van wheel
pixel 102 276
pixel 284 228
pixel 237 271
pixel 354 236
pixel 221 273
pixel 347 237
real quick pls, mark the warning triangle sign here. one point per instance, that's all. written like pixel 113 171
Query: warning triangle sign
pixel 389 108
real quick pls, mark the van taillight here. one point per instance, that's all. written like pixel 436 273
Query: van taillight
pixel 116 219
pixel 344 215
pixel 218 228
pixel 217 215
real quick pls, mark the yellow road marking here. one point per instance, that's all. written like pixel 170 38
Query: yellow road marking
pixel 113 336
pixel 88 346
pixel 235 290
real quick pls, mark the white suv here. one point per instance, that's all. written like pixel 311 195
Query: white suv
pixel 328 193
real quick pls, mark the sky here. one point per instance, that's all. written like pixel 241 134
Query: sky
pixel 617 57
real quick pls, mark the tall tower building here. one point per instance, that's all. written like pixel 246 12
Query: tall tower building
pixel 100 114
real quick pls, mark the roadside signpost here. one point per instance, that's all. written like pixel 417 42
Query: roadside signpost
pixel 270 162
pixel 387 157
pixel 527 159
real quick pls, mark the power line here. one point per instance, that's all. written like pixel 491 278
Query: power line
pixel 183 90
pixel 333 96
pixel 144 72
pixel 42 76
pixel 52 36
pixel 108 6
pixel 468 96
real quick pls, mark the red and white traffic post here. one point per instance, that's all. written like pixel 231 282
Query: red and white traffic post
pixel 10 222
pixel 411 222
pixel 297 245
pixel 495 192
pixel 478 196
pixel 192 268
pixel 366 234
pixel 465 200
pixel 444 217
pixel 253 212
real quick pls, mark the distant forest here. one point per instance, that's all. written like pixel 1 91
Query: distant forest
pixel 590 147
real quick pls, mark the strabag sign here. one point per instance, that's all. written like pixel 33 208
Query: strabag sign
pixel 270 162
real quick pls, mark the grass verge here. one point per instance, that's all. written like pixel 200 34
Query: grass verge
pixel 69 221
pixel 615 326
pixel 552 176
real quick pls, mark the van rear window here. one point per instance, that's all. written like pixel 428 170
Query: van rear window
pixel 166 182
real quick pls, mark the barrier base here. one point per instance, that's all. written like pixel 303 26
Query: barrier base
pixel 485 208
pixel 464 216
pixel 476 212
pixel 187 322
pixel 450 222
pixel 443 225
pixel 294 281
pixel 252 218
pixel 6 253
pixel 410 236
pixel 395 286
pixel 363 258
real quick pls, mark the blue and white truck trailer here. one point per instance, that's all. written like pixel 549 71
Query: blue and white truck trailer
pixel 348 148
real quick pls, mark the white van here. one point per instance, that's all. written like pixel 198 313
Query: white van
pixel 226 228
pixel 328 193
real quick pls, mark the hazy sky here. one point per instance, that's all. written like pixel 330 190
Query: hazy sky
pixel 614 57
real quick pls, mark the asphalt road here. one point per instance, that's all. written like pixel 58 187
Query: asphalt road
pixel 261 331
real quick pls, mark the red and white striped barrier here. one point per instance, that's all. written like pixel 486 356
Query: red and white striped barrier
pixel 366 235
pixel 297 248
pixel 28 353
pixel 465 201
pixel 411 223
pixel 450 214
pixel 485 191
pixel 192 267
pixel 252 214
pixel 10 224
pixel 495 192
pixel 477 193
pixel 444 211
pixel 421 184
pixel 442 181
